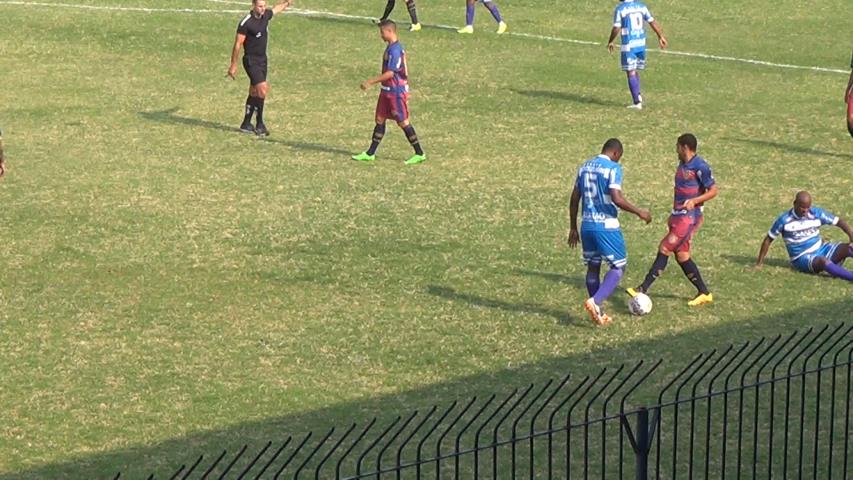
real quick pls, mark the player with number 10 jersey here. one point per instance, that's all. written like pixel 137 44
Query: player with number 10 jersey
pixel 629 21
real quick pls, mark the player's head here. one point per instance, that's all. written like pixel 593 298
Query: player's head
pixel 802 203
pixel 686 146
pixel 259 7
pixel 388 30
pixel 613 149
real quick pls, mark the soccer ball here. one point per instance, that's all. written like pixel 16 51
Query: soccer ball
pixel 640 305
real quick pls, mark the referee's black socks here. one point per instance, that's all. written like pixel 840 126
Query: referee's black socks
pixel 250 110
pixel 259 108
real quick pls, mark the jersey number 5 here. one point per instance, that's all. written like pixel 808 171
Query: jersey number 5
pixel 590 185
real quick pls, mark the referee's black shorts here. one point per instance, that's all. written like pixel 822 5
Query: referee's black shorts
pixel 256 68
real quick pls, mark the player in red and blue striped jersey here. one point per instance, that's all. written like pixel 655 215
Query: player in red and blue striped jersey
pixel 393 98
pixel 629 20
pixel 694 185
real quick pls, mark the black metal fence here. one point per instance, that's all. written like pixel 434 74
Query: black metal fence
pixel 773 408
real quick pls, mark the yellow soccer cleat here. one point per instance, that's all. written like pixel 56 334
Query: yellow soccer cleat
pixel 466 29
pixel 501 28
pixel 701 299
pixel 632 292
pixel 416 27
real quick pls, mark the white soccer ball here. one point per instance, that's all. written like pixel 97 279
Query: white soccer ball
pixel 640 305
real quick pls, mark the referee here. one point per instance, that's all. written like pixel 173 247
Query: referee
pixel 252 36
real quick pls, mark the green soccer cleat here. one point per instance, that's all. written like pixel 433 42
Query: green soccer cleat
pixel 364 157
pixel 415 159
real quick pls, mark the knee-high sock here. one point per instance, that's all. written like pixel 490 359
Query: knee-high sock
pixel 389 7
pixel 494 10
pixel 250 110
pixel 378 133
pixel 608 286
pixel 413 139
pixel 838 271
pixel 413 10
pixel 657 269
pixel 469 14
pixel 593 278
pixel 634 86
pixel 259 108
pixel 691 271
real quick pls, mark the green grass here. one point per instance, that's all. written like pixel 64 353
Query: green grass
pixel 168 286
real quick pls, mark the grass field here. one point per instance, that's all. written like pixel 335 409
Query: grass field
pixel 169 286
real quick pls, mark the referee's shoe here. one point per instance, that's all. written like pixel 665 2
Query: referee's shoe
pixel 261 130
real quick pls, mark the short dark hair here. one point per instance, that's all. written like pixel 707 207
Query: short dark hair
pixel 612 144
pixel 389 24
pixel 688 140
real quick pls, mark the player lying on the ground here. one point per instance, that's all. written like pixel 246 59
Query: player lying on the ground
pixel 848 96
pixel 393 97
pixel 469 15
pixel 252 37
pixel 630 19
pixel 413 13
pixel 598 189
pixel 694 185
pixel 800 229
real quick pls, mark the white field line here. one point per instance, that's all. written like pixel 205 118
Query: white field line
pixel 320 13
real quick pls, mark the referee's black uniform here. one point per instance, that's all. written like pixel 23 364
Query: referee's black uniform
pixel 256 30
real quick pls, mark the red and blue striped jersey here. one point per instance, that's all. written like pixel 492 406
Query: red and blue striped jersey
pixel 394 60
pixel 692 178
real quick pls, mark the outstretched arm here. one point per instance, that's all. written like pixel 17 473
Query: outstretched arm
pixel 620 201
pixel 765 247
pixel 659 32
pixel 844 226
pixel 574 203
pixel 281 6
pixel 235 55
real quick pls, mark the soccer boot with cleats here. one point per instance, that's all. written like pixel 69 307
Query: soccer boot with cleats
pixel 633 292
pixel 415 159
pixel 502 26
pixel 261 130
pixel 594 312
pixel 247 128
pixel 416 27
pixel 466 29
pixel 701 299
pixel 364 157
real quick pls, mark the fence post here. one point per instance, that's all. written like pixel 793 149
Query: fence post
pixel 642 447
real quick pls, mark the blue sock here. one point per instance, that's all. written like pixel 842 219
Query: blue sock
pixel 608 286
pixel 593 280
pixel 634 86
pixel 838 271
pixel 469 14
pixel 495 12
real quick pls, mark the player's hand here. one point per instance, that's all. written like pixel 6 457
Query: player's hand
pixel 365 85
pixel 574 238
pixel 689 205
pixel 232 72
pixel 610 47
pixel 646 216
pixel 2 168
pixel 662 42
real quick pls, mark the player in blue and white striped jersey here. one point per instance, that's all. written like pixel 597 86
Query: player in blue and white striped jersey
pixel 800 229
pixel 629 20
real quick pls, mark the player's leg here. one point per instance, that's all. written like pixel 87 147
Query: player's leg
pixel 413 14
pixel 829 259
pixel 667 246
pixel 261 92
pixel 246 126
pixel 850 112
pixel 469 17
pixel 400 112
pixel 689 267
pixel 383 111
pixel 496 14
pixel 592 244
pixel 389 7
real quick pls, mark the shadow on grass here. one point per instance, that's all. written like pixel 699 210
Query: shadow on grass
pixel 565 96
pixel 792 148
pixel 162 459
pixel 478 301
pixel 748 261
pixel 171 117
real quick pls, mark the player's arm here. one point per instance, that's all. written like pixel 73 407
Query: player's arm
pixel 762 252
pixel 844 226
pixel 2 157
pixel 574 204
pixel 659 32
pixel 708 195
pixel 235 54
pixel 620 201
pixel 381 78
pixel 849 90
pixel 613 33
pixel 281 6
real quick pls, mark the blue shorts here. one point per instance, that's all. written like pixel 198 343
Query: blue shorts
pixel 604 245
pixel 634 60
pixel 805 263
